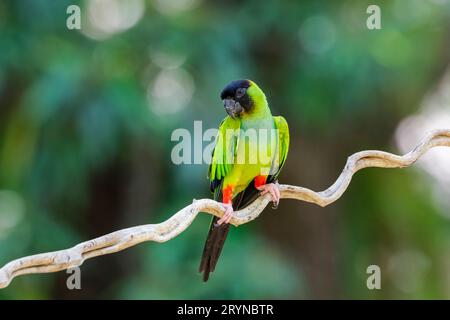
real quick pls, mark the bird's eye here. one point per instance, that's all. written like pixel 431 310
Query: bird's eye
pixel 240 92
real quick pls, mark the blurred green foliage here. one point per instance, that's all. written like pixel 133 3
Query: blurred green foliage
pixel 86 119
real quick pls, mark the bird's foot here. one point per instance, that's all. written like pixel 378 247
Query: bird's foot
pixel 226 218
pixel 273 190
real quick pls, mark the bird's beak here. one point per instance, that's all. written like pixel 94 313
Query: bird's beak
pixel 232 107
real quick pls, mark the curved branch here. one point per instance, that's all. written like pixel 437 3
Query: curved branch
pixel 164 231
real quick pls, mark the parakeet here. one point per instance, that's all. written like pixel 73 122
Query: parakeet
pixel 242 166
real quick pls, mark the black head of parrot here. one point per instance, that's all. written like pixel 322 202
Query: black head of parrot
pixel 236 99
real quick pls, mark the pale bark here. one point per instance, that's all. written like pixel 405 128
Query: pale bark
pixel 164 231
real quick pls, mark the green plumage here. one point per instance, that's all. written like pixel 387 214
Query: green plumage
pixel 238 158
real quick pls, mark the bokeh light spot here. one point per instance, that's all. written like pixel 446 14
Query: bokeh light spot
pixel 317 34
pixel 108 17
pixel 172 7
pixel 171 91
pixel 12 208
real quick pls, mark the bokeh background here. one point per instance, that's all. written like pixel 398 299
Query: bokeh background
pixel 86 118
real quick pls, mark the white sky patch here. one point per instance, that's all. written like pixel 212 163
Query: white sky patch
pixel 434 114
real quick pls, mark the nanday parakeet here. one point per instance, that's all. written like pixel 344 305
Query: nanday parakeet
pixel 242 168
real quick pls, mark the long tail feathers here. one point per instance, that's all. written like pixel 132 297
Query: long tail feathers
pixel 213 247
pixel 217 234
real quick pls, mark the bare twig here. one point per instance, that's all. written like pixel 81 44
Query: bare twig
pixel 164 231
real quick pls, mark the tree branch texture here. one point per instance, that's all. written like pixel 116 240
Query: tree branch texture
pixel 164 231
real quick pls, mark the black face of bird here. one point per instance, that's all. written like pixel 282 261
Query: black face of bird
pixel 235 98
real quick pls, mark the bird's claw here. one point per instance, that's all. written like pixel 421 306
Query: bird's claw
pixel 274 192
pixel 228 215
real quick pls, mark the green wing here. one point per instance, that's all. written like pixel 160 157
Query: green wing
pixel 283 144
pixel 221 164
pixel 224 152
pixel 223 157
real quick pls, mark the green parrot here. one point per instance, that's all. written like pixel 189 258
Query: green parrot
pixel 251 148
